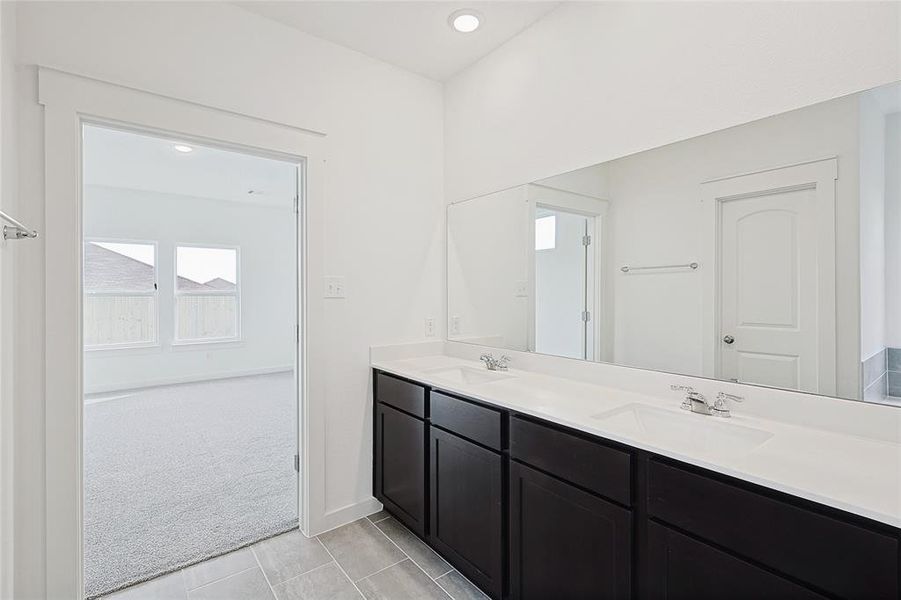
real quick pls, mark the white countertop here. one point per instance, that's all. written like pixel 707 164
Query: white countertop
pixel 853 473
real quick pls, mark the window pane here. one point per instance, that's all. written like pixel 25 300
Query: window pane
pixel 207 317
pixel 113 267
pixel 206 269
pixel 119 320
pixel 545 233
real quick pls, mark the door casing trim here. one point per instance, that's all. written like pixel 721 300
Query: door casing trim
pixel 68 102
pixel 819 174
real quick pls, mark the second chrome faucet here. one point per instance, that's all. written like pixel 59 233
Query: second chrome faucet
pixel 495 364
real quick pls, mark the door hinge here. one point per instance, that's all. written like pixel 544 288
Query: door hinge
pixel 586 240
pixel 586 316
pixel 297 333
pixel 296 204
pixel 297 462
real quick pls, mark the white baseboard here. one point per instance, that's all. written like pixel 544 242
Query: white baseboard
pixel 343 516
pixel 193 378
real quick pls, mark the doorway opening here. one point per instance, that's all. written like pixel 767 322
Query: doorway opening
pixel 564 283
pixel 190 327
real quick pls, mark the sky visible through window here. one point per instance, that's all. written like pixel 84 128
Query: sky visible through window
pixel 206 264
pixel 139 252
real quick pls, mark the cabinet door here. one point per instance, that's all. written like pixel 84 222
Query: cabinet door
pixel 400 447
pixel 841 557
pixel 680 567
pixel 564 542
pixel 466 509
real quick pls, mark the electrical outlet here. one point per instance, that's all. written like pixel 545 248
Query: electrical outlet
pixel 455 325
pixel 430 327
pixel 334 287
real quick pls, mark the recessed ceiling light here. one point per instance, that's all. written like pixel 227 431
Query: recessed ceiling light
pixel 183 148
pixel 465 21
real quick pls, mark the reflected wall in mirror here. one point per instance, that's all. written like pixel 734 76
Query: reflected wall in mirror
pixel 768 253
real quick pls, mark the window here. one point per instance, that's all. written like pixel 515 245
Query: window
pixel 120 302
pixel 546 233
pixel 206 294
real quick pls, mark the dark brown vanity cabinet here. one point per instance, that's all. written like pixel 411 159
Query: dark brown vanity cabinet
pixel 769 541
pixel 529 510
pixel 570 526
pixel 400 450
pixel 466 488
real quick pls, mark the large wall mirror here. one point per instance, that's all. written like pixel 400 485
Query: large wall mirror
pixel 768 253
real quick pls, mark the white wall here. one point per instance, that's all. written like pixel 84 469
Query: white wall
pixel 656 218
pixel 267 285
pixel 893 230
pixel 488 268
pixel 588 181
pixel 384 206
pixel 597 81
pixel 872 228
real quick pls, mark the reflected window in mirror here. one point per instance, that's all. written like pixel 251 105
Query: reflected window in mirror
pixel 545 232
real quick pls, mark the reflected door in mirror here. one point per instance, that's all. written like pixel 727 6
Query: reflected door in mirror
pixel 563 283
pixel 768 279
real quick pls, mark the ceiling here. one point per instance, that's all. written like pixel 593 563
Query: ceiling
pixel 142 162
pixel 414 35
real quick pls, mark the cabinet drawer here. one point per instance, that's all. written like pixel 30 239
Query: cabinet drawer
pixel 591 465
pixel 408 397
pixel 838 557
pixel 473 421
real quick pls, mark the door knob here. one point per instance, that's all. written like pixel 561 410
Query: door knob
pixel 728 339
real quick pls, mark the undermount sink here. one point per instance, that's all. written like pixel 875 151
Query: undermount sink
pixel 467 375
pixel 685 431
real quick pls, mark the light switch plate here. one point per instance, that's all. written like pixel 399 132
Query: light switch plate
pixel 522 289
pixel 334 287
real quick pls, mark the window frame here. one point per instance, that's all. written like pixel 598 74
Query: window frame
pixel 155 294
pixel 238 337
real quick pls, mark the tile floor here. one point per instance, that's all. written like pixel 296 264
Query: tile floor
pixel 375 557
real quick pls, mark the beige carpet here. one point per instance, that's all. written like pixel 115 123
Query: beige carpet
pixel 180 473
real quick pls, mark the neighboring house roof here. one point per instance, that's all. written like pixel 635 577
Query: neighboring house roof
pixel 108 271
pixel 220 284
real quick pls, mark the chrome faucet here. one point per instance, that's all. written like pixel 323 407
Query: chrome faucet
pixel 495 364
pixel 696 402
pixel 721 406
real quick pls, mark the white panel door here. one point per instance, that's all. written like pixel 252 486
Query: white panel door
pixel 768 289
